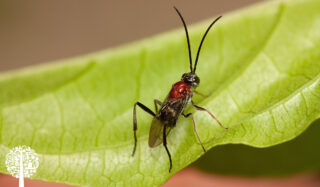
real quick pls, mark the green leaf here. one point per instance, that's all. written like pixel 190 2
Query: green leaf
pixel 259 66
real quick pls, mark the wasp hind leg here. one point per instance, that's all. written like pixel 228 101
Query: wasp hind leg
pixel 214 117
pixel 135 127
pixel 194 128
pixel 165 145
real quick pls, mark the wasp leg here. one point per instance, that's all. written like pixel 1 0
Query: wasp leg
pixel 203 109
pixel 165 145
pixel 156 101
pixel 194 128
pixel 201 94
pixel 135 127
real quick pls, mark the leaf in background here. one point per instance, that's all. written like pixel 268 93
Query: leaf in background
pixel 260 66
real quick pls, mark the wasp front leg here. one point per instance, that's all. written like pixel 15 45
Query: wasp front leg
pixel 194 128
pixel 201 94
pixel 135 127
pixel 156 101
pixel 203 109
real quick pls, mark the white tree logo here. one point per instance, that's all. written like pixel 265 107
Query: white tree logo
pixel 22 162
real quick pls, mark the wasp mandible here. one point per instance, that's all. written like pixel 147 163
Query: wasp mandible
pixel 179 97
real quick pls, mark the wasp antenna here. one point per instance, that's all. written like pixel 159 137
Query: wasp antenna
pixel 205 34
pixel 188 40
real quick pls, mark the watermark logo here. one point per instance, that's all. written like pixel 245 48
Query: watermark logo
pixel 22 162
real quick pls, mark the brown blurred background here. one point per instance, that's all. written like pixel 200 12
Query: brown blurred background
pixel 37 31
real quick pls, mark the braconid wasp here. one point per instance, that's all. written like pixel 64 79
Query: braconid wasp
pixel 177 100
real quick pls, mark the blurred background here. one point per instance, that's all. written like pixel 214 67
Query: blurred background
pixel 39 31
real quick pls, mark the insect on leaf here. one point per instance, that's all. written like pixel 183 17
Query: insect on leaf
pixel 260 68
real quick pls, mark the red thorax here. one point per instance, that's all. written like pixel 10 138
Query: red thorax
pixel 179 89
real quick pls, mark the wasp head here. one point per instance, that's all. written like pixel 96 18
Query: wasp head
pixel 191 79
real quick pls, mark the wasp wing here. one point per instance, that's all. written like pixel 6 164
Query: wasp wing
pixel 156 132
